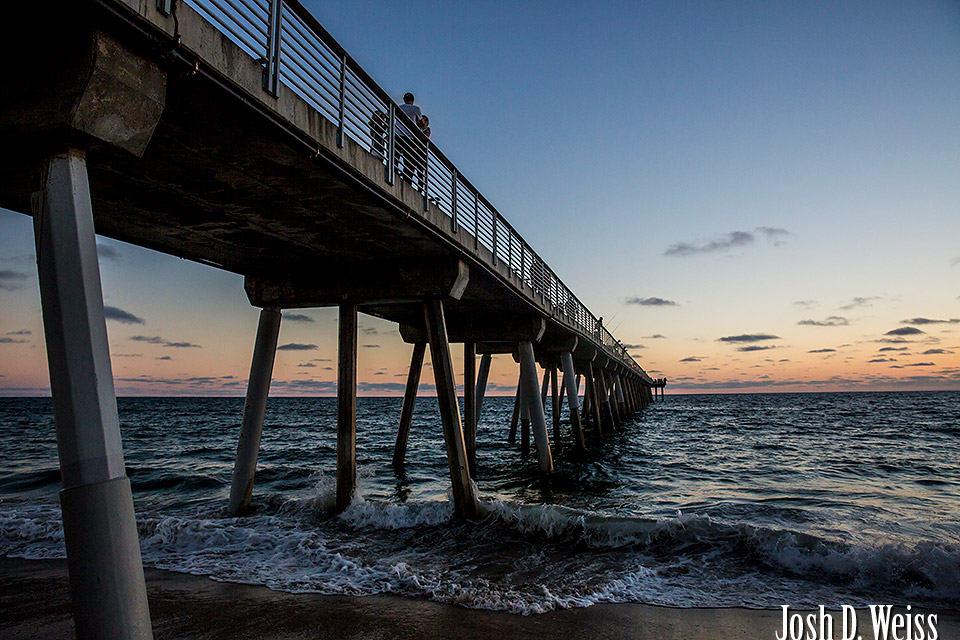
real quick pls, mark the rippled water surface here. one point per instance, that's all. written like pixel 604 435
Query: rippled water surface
pixel 714 500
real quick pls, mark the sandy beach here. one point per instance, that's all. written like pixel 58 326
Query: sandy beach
pixel 35 602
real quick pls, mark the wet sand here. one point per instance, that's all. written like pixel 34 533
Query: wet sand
pixel 35 603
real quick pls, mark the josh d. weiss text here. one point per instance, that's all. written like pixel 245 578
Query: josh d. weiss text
pixel 886 622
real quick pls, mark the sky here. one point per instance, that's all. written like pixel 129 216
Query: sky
pixel 756 196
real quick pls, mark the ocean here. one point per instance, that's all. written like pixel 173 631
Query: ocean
pixel 700 500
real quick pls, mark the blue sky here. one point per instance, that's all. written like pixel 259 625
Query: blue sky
pixel 764 167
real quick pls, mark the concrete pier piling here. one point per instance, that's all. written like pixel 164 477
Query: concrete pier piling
pixel 524 422
pixel 534 404
pixel 99 527
pixel 482 376
pixel 470 403
pixel 347 406
pixel 573 398
pixel 254 410
pixel 464 497
pixel 515 418
pixel 409 402
pixel 555 406
pixel 604 396
pixel 596 406
pixel 621 399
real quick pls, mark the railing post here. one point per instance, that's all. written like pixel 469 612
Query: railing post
pixel 343 100
pixel 391 143
pixel 494 225
pixel 476 221
pixel 426 175
pixel 271 70
pixel 453 202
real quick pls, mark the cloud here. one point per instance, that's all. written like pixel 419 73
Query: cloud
pixel 723 243
pixel 915 364
pixel 297 317
pixel 727 241
pixel 306 364
pixel 370 346
pixel 858 301
pixel 163 358
pixel 805 303
pixel 955 262
pixel 127 355
pixel 755 347
pixel 107 252
pixel 749 337
pixel 822 351
pixel 923 321
pixel 7 340
pixel 651 302
pixel 829 321
pixel 121 316
pixel 21 332
pixel 297 346
pixel 10 280
pixel 689 359
pixel 634 346
pixel 165 343
pixel 894 349
pixel 655 336
pixel 773 232
pixel 904 331
pixel 882 360
pixel 935 352
pixel 370 331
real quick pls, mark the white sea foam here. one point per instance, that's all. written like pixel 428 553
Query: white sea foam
pixel 524 559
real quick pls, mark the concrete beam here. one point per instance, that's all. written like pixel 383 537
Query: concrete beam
pixel 389 282
pixel 92 85
pixel 483 328
pixel 555 344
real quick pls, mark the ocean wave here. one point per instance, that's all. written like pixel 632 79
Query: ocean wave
pixel 520 558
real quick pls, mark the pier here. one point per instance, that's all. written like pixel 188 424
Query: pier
pixel 241 135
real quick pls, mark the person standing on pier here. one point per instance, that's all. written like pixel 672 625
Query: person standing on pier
pixel 405 138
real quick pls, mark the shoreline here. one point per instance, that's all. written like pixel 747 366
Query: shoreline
pixel 35 601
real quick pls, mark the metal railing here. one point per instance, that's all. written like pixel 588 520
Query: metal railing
pixel 297 51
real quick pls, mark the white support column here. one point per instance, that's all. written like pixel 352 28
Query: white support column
pixel 254 410
pixel 621 402
pixel 573 397
pixel 99 526
pixel 482 376
pixel 532 399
